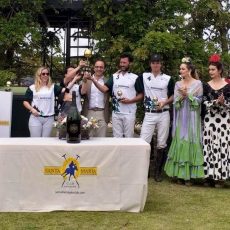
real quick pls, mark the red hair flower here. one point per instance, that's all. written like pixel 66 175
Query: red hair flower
pixel 214 58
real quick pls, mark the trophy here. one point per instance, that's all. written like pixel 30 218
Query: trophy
pixel 119 94
pixel 8 84
pixel 155 102
pixel 87 55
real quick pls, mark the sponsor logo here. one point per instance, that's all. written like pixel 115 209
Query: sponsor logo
pixel 70 171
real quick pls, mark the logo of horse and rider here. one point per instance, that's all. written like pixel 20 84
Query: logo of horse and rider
pixel 70 170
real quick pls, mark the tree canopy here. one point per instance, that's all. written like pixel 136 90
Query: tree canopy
pixel 174 28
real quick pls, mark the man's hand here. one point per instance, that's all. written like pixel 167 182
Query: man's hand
pixel 82 63
pixel 124 100
pixel 87 76
pixel 161 104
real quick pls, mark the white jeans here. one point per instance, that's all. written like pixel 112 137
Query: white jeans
pixel 161 121
pixel 123 125
pixel 40 126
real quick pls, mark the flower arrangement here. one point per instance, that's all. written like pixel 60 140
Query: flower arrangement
pixel 91 123
pixel 86 126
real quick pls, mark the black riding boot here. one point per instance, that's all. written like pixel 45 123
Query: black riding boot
pixel 159 164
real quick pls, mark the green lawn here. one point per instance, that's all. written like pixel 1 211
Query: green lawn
pixel 168 206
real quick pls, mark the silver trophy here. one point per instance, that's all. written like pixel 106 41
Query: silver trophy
pixel 8 85
pixel 119 94
pixel 155 102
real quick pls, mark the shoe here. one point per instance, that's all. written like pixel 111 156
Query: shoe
pixel 188 183
pixel 209 183
pixel 180 182
pixel 206 184
pixel 219 184
pixel 158 178
pixel 159 164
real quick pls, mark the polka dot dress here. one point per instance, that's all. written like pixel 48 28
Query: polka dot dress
pixel 216 134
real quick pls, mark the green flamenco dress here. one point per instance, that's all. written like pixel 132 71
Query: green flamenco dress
pixel 185 157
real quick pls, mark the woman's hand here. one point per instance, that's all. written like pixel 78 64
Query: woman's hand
pixel 220 99
pixel 183 92
pixel 34 112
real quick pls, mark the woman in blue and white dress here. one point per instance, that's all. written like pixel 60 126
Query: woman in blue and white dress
pixel 40 101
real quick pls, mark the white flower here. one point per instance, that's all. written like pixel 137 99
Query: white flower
pixel 186 60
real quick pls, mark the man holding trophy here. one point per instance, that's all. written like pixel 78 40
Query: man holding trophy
pixel 96 103
pixel 159 89
pixel 126 90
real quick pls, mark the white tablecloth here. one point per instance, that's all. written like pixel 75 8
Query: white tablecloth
pixel 47 174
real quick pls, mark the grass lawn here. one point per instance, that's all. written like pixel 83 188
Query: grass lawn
pixel 168 206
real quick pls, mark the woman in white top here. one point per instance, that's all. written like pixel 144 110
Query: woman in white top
pixel 40 100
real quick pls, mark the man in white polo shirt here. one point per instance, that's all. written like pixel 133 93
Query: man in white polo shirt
pixel 158 89
pixel 126 90
pixel 96 103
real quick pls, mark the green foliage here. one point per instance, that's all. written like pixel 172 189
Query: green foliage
pixel 174 28
pixel 6 75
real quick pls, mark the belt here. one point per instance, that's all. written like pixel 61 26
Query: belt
pixel 156 111
pixel 96 109
pixel 46 116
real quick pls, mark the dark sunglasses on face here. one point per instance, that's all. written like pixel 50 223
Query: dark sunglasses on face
pixel 43 74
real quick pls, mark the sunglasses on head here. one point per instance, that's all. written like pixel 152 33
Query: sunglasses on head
pixel 43 74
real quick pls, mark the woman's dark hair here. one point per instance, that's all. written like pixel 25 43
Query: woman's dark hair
pixel 219 66
pixel 215 61
pixel 68 67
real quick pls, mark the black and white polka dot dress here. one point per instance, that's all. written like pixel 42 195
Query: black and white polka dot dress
pixel 216 133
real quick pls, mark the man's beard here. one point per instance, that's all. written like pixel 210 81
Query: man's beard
pixel 124 69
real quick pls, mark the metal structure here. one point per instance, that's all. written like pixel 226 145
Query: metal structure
pixel 67 15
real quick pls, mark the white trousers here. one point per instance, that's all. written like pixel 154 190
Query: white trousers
pixel 40 126
pixel 161 121
pixel 123 124
pixel 99 115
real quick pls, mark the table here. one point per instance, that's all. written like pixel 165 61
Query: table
pixel 48 174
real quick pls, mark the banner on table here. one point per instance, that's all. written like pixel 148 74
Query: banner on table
pixel 46 174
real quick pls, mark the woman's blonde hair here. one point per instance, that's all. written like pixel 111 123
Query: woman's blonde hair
pixel 38 79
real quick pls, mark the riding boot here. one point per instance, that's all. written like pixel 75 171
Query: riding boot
pixel 159 164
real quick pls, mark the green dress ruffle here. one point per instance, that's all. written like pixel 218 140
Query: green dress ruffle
pixel 185 159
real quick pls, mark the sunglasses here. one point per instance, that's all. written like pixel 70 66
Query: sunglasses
pixel 43 74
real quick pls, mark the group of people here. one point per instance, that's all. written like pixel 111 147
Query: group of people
pixel 200 146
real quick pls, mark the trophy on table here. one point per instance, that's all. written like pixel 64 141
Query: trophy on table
pixel 8 85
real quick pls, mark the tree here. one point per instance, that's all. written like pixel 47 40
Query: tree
pixel 174 28
pixel 21 41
